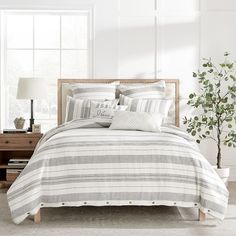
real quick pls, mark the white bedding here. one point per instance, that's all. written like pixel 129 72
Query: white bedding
pixel 81 163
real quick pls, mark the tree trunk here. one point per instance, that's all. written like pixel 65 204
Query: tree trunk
pixel 219 155
pixel 218 145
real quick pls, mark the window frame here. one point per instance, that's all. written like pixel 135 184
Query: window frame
pixel 89 12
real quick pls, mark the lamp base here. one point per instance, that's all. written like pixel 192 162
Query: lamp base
pixel 29 130
pixel 31 125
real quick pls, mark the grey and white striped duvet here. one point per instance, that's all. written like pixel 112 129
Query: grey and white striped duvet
pixel 80 163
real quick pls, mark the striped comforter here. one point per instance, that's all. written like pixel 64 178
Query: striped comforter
pixel 82 163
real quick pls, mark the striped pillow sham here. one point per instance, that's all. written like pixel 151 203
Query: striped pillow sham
pixel 160 106
pixel 152 90
pixel 94 91
pixel 80 108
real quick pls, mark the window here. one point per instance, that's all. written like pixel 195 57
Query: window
pixel 42 44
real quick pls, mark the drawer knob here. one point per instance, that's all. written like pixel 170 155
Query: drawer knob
pixel 30 142
pixel 6 141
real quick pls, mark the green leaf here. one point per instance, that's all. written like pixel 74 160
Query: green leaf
pixel 230 66
pixel 210 71
pixel 226 54
pixel 225 100
pixel 228 119
pixel 209 64
pixel 191 95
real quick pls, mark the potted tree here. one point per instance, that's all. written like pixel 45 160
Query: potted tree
pixel 215 103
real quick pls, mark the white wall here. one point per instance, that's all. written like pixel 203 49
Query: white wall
pixel 155 38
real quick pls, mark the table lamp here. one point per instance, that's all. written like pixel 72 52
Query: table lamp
pixel 31 88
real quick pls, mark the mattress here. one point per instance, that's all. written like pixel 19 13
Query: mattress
pixel 82 163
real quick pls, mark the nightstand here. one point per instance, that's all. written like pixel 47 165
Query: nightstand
pixel 15 146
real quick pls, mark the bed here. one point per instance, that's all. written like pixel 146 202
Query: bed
pixel 81 163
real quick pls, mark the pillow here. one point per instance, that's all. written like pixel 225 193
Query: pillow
pixel 151 90
pixel 160 106
pixel 104 114
pixel 126 120
pixel 99 110
pixel 79 108
pixel 94 91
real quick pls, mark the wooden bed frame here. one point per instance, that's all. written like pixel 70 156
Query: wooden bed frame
pixel 37 216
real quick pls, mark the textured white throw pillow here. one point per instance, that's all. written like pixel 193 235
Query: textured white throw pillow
pixel 126 120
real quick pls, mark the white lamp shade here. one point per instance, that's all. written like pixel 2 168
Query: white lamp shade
pixel 31 88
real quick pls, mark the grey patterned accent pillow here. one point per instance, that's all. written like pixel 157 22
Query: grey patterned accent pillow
pixel 104 111
pixel 80 108
pixel 150 90
pixel 160 106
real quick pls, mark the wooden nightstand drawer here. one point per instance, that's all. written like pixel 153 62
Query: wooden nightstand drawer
pixel 19 141
pixel 27 143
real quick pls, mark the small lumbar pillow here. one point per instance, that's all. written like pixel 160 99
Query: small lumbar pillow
pixel 126 120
